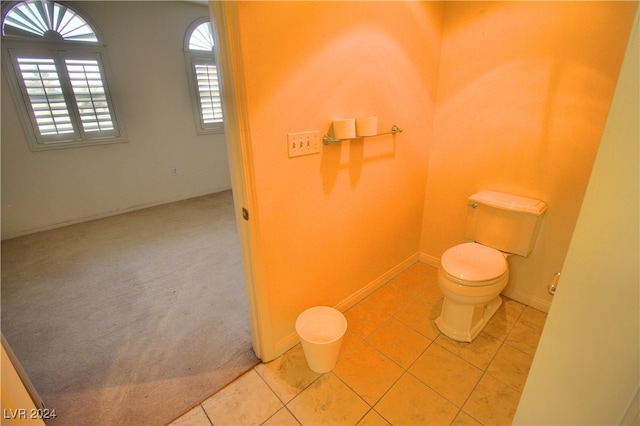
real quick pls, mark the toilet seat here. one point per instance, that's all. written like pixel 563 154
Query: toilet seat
pixel 474 264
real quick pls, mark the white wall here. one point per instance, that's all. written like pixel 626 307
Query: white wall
pixel 46 189
pixel 586 368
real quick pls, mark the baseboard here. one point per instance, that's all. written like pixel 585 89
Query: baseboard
pixel 529 300
pixel 376 284
pixel 429 260
pixel 285 344
pixel 89 218
pixel 292 339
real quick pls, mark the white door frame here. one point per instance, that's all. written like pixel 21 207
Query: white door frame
pixel 238 137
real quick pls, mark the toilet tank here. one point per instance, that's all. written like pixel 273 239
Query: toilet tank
pixel 506 222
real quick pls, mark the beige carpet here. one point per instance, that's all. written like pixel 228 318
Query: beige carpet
pixel 131 319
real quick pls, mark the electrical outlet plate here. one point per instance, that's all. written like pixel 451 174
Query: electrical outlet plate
pixel 303 143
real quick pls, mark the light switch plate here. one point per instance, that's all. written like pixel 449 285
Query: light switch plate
pixel 303 143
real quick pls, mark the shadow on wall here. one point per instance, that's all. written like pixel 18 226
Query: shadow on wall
pixel 360 151
pixel 524 90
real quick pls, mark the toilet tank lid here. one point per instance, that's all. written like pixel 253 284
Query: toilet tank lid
pixel 509 202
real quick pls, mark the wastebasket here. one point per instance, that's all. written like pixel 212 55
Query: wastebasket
pixel 321 329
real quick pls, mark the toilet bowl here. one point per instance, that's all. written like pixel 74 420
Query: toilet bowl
pixel 471 277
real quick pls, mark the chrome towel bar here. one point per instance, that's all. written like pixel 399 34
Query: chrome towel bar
pixel 330 139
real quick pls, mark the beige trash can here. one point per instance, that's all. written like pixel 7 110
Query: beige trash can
pixel 321 330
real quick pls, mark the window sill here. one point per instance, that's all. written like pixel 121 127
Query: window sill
pixel 75 144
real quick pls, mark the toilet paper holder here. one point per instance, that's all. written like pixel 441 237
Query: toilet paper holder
pixel 327 139
pixel 553 286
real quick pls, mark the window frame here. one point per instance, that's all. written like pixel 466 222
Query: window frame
pixel 192 59
pixel 18 46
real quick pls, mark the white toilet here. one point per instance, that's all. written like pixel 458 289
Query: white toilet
pixel 472 275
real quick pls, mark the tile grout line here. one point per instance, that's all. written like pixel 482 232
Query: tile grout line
pixel 284 405
pixel 363 340
pixel 485 371
pixel 413 298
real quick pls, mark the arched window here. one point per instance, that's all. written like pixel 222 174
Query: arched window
pixel 56 68
pixel 203 77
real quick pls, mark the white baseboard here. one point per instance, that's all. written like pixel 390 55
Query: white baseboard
pixel 376 284
pixel 529 300
pixel 285 344
pixel 292 339
pixel 83 219
pixel 429 260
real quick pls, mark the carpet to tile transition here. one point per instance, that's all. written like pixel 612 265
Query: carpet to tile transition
pixel 131 319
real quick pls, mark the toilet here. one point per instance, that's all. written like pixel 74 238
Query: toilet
pixel 472 275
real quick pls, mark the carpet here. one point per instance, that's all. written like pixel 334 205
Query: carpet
pixel 131 319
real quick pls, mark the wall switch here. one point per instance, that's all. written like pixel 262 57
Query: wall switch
pixel 304 143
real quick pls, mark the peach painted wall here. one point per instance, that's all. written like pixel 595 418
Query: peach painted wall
pixel 331 224
pixel 524 91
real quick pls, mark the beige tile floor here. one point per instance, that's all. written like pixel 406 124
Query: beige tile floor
pixel 395 367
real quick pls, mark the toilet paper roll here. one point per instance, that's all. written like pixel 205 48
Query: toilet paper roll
pixel 367 126
pixel 344 128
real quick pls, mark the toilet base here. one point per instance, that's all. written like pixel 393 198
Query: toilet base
pixel 464 322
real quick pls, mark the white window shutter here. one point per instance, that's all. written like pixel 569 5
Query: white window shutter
pixel 90 94
pixel 44 90
pixel 209 93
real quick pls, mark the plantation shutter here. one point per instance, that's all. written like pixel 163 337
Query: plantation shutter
pixel 45 95
pixel 208 91
pixel 204 80
pixel 56 71
pixel 90 95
